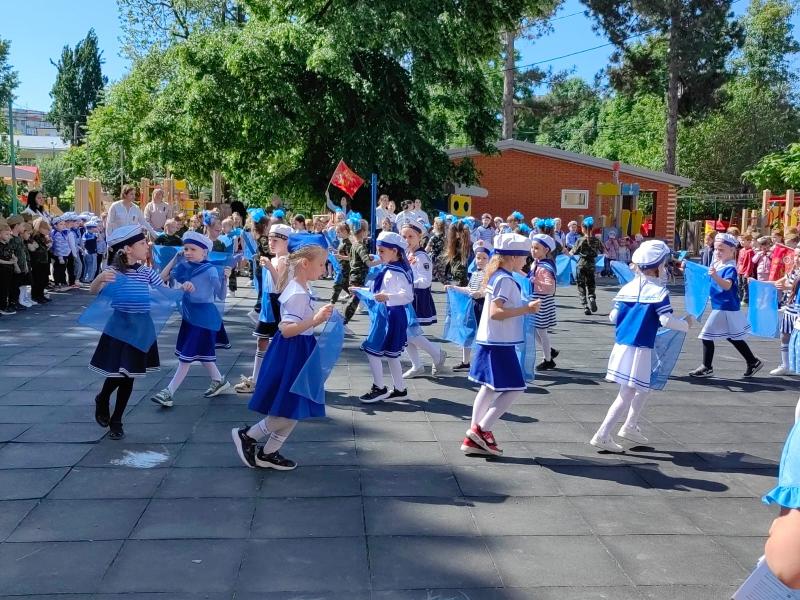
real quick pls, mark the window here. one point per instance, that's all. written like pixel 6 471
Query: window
pixel 575 199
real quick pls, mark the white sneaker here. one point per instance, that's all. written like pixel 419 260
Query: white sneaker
pixel 781 370
pixel 634 434
pixel 606 444
pixel 412 373
pixel 438 366
pixel 245 386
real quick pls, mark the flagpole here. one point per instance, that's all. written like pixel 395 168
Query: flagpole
pixel 374 201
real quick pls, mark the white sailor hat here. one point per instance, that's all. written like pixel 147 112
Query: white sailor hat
pixel 726 238
pixel 512 244
pixel 92 223
pixel 480 246
pixel 650 254
pixel 415 224
pixel 390 239
pixel 198 239
pixel 545 240
pixel 69 216
pixel 280 230
pixel 126 235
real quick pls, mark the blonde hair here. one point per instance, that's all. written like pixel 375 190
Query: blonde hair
pixel 39 223
pixel 497 261
pixel 293 260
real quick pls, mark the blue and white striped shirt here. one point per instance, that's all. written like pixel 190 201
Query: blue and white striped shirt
pixel 61 246
pixel 134 295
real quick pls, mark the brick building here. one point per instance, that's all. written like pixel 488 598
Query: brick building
pixel 540 181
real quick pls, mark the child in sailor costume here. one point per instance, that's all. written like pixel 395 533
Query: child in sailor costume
pixel 726 321
pixel 495 365
pixel 422 269
pixel 394 287
pixel 640 308
pixel 543 281
pixel 474 289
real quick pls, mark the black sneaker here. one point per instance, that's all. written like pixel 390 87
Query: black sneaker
pixel 462 366
pixel 586 311
pixel 245 446
pixel 398 395
pixel 553 354
pixel 546 365
pixel 101 412
pixel 19 308
pixel 117 433
pixel 593 305
pixel 274 461
pixel 702 371
pixel 753 368
pixel 376 394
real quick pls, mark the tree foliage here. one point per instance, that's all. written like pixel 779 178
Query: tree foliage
pixel 55 174
pixel 8 76
pixel 778 171
pixel 78 87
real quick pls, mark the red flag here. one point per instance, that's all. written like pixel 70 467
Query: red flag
pixel 346 179
pixel 781 255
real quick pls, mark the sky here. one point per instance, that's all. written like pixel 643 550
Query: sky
pixel 38 30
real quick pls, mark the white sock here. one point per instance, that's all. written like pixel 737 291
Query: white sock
pixel 784 352
pixel 259 431
pixel 637 406
pixel 620 405
pixel 413 354
pixel 483 400
pixel 396 370
pixel 280 428
pixel 466 354
pixel 257 363
pixel 213 371
pixel 797 411
pixel 423 343
pixel 180 375
pixel 376 366
pixel 544 341
pixel 498 408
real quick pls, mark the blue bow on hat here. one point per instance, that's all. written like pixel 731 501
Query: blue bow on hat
pixel 588 222
pixel 257 214
pixel 354 220
pixel 279 213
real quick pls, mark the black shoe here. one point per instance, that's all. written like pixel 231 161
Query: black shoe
pixel 101 412
pixel 462 366
pixel 19 308
pixel 553 354
pixel 376 394
pixel 117 433
pixel 546 365
pixel 274 461
pixel 593 305
pixel 586 311
pixel 245 446
pixel 702 371
pixel 398 395
pixel 753 368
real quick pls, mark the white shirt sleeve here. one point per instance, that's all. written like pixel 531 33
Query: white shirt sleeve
pixel 423 273
pixel 397 288
pixel 296 308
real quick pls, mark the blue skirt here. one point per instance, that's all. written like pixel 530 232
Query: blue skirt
pixel 221 340
pixel 794 351
pixel 424 306
pixel 115 358
pixel 284 359
pixel 390 338
pixel 497 367
pixel 196 344
pixel 477 308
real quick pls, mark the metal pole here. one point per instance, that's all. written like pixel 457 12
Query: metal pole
pixel 13 158
pixel 374 204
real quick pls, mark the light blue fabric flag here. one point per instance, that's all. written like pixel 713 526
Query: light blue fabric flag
pixel 139 329
pixel 373 273
pixel 310 381
pixel 379 321
pixel 525 286
pixel 163 254
pixel 414 329
pixel 698 288
pixel 337 266
pixel 563 264
pixel 526 351
pixel 622 271
pixel 224 259
pixel 664 356
pixel 460 325
pixel 763 308
pixel 204 306
pixel 250 245
pixel 226 240
pixel 600 263
pixel 267 315
pixel 787 492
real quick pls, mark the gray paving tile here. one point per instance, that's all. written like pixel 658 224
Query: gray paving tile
pixel 409 481
pixel 342 452
pixel 175 566
pixel 394 431
pixel 158 433
pixel 527 516
pixel 111 482
pixel 41 456
pixel 708 482
pixel 599 481
pixel 673 559
pixel 338 564
pixel 400 562
pixel 11 431
pixel 311 481
pixel 210 482
pixel 687 592
pixel 11 513
pixel 79 520
pixel 744 549
pixel 421 516
pixel 63 432
pixel 308 517
pixel 727 516
pixel 196 518
pixel 24 414
pixel 209 455
pixel 486 480
pixel 21 484
pixel 47 568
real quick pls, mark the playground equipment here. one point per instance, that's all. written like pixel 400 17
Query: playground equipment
pixel 775 210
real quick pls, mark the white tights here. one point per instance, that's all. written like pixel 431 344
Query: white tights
pixel 489 406
pixel 277 429
pixel 395 369
pixel 421 342
pixel 628 400
pixel 544 342
pixel 797 412
pixel 183 370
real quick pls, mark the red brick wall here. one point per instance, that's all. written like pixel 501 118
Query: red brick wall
pixel 532 184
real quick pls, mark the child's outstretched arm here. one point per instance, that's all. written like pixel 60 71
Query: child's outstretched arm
pixel 499 312
pixel 165 273
pixel 102 280
pixel 292 328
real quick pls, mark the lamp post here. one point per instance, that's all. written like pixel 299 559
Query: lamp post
pixel 12 157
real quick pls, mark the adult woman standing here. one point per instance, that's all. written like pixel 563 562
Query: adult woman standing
pixel 34 208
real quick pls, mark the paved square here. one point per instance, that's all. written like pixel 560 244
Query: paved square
pixel 384 506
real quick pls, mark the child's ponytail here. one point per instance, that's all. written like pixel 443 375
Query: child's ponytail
pixel 120 261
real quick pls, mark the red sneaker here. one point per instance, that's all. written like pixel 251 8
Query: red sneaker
pixel 484 439
pixel 470 447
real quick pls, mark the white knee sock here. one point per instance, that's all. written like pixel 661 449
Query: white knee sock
pixel 180 375
pixel 637 406
pixel 280 429
pixel 413 354
pixel 423 343
pixel 396 370
pixel 259 431
pixel 213 371
pixel 498 408
pixel 785 351
pixel 483 400
pixel 466 354
pixel 376 366
pixel 544 341
pixel 797 411
pixel 618 408
pixel 257 363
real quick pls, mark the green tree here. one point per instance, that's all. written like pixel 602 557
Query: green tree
pixel 631 130
pixel 55 174
pixel 698 37
pixel 78 87
pixel 8 76
pixel 778 171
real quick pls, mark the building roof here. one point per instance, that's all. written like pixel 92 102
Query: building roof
pixel 581 159
pixel 40 142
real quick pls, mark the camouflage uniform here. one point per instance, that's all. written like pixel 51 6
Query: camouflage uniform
pixel 342 282
pixel 359 267
pixel 587 249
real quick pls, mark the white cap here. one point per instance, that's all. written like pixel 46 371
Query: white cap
pixel 650 254
pixel 281 230
pixel 512 244
pixel 124 236
pixel 390 239
pixel 545 240
pixel 198 239
pixel 480 246
pixel 726 238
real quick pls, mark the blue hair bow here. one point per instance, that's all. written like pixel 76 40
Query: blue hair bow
pixel 588 222
pixel 257 214
pixel 524 229
pixel 518 215
pixel 354 220
pixel 208 217
pixel 279 213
